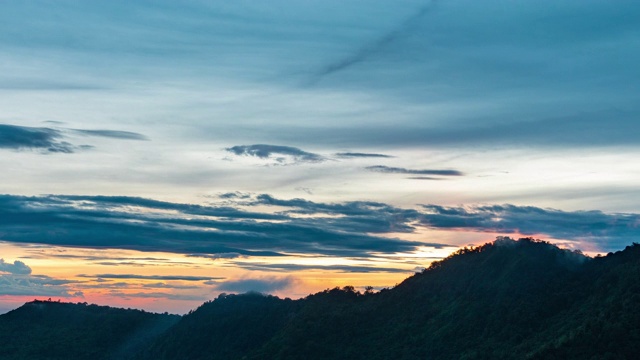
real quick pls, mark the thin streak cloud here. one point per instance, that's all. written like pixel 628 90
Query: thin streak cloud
pixel 116 134
pixel 348 155
pixel 397 170
pixel 152 277
pixel 369 50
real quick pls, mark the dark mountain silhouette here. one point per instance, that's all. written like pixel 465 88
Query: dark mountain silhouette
pixel 523 299
pixel 54 330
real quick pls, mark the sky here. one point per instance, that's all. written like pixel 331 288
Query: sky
pixel 156 154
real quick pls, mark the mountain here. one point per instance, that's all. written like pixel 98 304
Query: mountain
pixel 524 299
pixel 54 330
pixel 228 328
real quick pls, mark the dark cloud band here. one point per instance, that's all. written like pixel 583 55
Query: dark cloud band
pixel 349 229
pixel 104 222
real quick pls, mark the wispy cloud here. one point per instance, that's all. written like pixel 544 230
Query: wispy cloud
pixel 361 155
pixel 337 268
pixel 116 134
pixel 371 49
pixel 219 256
pixel 160 295
pixel 397 170
pixel 424 178
pixel 152 277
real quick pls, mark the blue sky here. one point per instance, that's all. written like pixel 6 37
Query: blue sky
pixel 259 136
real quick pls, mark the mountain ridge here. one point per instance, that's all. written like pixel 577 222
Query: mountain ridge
pixel 509 299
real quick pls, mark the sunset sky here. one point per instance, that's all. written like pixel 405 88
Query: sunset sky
pixel 155 154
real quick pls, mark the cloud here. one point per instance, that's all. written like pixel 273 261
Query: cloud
pixel 354 216
pixel 50 140
pixel 17 268
pixel 371 49
pixel 580 58
pixel 304 189
pixel 116 134
pixel 598 128
pixel 159 295
pixel 347 229
pixel 103 259
pixel 14 84
pixel 161 285
pixel 361 155
pixel 338 268
pixel 34 285
pixel 234 195
pixel 609 231
pixel 109 222
pixel 396 170
pixel 151 277
pixel 424 178
pixel 41 138
pixel 276 152
pixel 232 255
pixel 120 263
pixel 261 285
pixel 557 128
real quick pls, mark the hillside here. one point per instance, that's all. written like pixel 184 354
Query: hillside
pixel 509 299
pixel 53 330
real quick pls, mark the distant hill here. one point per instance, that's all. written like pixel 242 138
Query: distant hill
pixel 523 299
pixel 53 330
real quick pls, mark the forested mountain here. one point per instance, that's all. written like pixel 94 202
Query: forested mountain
pixel 509 299
pixel 54 330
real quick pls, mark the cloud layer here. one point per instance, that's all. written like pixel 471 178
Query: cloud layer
pixel 149 225
pixel 348 229
pixel 608 231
